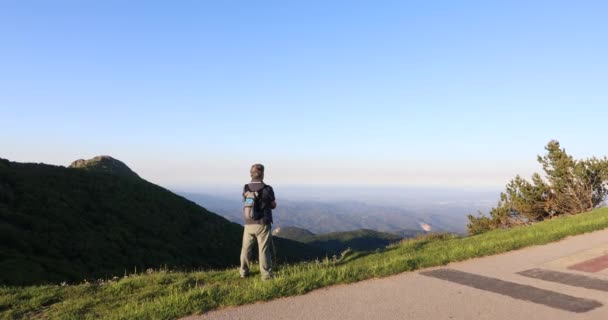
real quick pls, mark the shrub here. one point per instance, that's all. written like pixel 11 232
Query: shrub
pixel 569 187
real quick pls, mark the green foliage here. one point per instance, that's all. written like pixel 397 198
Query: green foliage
pixel 170 295
pixel 569 187
pixel 481 223
pixel 61 224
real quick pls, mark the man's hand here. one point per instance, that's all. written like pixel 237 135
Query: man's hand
pixel 273 205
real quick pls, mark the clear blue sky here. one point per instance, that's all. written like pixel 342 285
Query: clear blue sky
pixel 189 93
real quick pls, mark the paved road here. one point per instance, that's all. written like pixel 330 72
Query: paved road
pixel 562 280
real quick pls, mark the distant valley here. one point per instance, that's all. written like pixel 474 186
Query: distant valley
pixel 392 211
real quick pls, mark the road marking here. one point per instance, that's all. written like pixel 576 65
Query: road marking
pixel 570 279
pixel 594 265
pixel 517 291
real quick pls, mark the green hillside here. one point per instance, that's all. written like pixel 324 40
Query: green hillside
pixel 67 224
pixel 292 233
pixel 410 233
pixel 336 242
pixel 172 295
pixel 360 240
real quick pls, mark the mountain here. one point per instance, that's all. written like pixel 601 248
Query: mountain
pixel 105 164
pixel 292 233
pixel 288 251
pixel 336 242
pixel 98 218
pixel 360 240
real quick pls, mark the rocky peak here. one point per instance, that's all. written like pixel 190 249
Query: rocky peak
pixel 105 164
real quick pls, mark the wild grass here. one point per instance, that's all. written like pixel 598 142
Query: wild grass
pixel 169 295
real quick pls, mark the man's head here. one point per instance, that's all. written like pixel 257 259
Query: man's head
pixel 257 172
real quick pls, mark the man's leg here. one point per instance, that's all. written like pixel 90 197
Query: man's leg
pixel 248 241
pixel 274 251
pixel 265 245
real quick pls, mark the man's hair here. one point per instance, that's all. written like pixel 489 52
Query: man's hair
pixel 257 171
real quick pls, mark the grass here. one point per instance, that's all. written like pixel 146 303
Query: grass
pixel 170 295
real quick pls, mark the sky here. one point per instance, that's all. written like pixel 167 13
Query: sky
pixel 387 93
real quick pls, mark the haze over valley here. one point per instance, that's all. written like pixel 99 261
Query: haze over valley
pixel 399 210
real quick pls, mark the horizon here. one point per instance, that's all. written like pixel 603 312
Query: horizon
pixel 441 94
pixel 230 186
pixel 388 195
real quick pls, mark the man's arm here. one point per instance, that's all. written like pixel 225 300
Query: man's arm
pixel 273 201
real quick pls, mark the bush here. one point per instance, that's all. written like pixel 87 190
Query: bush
pixel 569 187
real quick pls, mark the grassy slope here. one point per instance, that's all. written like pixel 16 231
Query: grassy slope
pixel 166 295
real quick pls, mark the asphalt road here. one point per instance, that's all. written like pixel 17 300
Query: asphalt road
pixel 562 280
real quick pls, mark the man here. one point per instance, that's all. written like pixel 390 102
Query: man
pixel 259 230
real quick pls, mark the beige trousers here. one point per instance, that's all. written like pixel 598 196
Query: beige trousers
pixel 262 234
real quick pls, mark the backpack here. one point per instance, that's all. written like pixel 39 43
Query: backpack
pixel 252 204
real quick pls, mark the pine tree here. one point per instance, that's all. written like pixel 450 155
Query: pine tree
pixel 568 187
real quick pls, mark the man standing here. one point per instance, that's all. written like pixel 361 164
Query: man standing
pixel 258 230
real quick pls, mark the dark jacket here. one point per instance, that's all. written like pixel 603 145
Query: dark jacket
pixel 267 199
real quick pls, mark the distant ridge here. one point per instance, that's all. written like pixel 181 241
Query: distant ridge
pixel 410 233
pixel 336 242
pixel 104 164
pixel 293 233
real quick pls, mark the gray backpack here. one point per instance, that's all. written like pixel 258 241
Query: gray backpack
pixel 252 204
